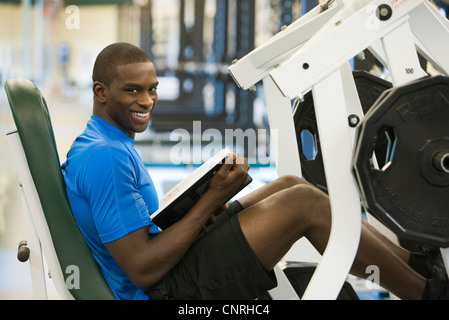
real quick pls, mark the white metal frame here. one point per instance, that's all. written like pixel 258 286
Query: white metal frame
pixel 38 235
pixel 314 53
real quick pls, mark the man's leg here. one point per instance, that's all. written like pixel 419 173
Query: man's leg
pixel 279 214
pixel 398 250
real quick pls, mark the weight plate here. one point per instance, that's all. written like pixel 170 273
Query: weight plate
pixel 309 142
pixel 409 189
pixel 369 88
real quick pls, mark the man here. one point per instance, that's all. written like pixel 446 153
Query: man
pixel 112 196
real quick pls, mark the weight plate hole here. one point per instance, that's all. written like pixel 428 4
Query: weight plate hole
pixel 384 149
pixel 309 144
pixel 441 161
pixel 446 163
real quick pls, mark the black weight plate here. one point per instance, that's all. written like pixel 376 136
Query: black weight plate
pixel 369 88
pixel 305 119
pixel 411 196
pixel 380 141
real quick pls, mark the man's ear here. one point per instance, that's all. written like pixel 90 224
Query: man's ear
pixel 100 91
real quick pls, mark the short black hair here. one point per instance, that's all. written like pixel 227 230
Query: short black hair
pixel 116 55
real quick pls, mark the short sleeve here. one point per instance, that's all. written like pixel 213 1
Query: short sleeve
pixel 109 184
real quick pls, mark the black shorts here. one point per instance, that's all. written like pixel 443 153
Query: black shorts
pixel 219 265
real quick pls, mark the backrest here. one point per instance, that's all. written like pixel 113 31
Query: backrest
pixel 33 124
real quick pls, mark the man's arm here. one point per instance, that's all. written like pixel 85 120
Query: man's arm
pixel 146 261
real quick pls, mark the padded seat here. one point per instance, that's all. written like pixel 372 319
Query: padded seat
pixel 34 127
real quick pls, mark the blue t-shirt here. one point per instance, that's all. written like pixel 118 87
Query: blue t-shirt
pixel 111 195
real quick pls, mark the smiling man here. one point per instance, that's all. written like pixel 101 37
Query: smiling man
pixel 109 189
pixel 130 90
pixel 112 196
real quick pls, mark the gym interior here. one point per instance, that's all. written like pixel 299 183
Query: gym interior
pixel 257 76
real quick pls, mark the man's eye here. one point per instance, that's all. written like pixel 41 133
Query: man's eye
pixel 153 89
pixel 132 90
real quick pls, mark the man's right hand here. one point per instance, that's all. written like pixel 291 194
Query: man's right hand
pixel 230 176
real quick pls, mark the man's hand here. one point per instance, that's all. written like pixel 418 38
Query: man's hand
pixel 230 176
pixel 227 179
pixel 213 217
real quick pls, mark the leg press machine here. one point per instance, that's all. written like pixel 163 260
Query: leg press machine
pixel 314 53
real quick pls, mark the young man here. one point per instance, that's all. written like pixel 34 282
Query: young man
pixel 112 197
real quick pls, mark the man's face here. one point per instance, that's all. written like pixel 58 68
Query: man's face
pixel 131 97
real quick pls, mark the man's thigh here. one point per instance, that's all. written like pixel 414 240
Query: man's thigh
pixel 219 265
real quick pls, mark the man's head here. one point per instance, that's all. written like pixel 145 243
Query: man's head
pixel 124 87
pixel 113 56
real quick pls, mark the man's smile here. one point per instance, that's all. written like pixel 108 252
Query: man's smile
pixel 142 115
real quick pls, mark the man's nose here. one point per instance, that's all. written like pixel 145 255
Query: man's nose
pixel 146 99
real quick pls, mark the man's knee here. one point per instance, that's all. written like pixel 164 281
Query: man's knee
pixel 299 208
pixel 309 195
pixel 300 198
pixel 290 180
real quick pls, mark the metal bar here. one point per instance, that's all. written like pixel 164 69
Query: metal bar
pixel 336 146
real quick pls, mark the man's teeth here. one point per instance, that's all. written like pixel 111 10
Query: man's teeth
pixel 141 115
